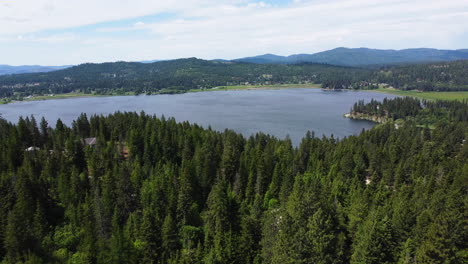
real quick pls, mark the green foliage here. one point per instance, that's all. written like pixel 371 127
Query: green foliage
pixel 442 76
pixel 423 112
pixel 169 77
pixel 185 194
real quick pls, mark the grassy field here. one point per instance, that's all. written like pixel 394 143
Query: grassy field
pixel 426 95
pixel 221 88
pixel 58 96
pixel 257 87
pixel 69 95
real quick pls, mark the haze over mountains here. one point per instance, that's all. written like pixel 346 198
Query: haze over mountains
pixel 338 56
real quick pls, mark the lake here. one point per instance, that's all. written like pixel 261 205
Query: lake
pixel 277 112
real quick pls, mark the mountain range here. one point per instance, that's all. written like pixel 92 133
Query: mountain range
pixel 338 56
pixel 8 69
pixel 364 57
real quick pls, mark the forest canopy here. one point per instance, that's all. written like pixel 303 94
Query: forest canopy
pixel 134 188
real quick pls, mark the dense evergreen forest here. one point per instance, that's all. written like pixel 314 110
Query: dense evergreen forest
pixel 173 76
pixel 420 111
pixel 152 190
pixel 181 75
pixel 444 76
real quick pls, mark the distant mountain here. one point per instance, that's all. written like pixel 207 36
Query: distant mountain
pixel 364 56
pixel 338 56
pixel 149 61
pixel 268 58
pixel 8 69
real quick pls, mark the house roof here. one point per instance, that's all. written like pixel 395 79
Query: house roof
pixel 90 141
pixel 32 149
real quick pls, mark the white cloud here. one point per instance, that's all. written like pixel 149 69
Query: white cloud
pixel 26 16
pixel 258 5
pixel 230 29
pixel 311 27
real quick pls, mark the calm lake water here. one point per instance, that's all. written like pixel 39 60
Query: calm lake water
pixel 277 112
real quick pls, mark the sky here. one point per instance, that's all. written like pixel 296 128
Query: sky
pixel 66 32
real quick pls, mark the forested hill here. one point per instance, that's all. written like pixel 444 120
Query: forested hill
pixel 156 191
pixel 173 76
pixel 184 74
pixel 339 56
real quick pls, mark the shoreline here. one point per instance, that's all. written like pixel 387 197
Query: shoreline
pixel 256 87
pixel 215 89
pixel 372 118
pixel 58 97
pixel 451 96
pixel 455 95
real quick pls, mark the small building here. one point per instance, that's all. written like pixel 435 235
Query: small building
pixel 32 149
pixel 90 141
pixel 368 180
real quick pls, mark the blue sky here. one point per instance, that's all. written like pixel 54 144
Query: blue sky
pixel 62 32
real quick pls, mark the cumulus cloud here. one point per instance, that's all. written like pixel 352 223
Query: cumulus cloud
pixel 230 29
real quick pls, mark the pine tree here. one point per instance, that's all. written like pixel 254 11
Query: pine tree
pixel 374 242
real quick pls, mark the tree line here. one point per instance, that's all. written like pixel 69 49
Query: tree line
pixel 443 76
